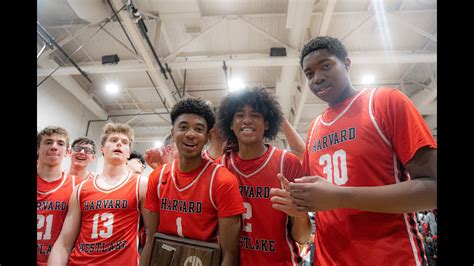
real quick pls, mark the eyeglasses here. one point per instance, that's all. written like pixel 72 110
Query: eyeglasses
pixel 86 149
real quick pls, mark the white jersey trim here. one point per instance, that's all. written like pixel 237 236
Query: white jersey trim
pixel 412 242
pixel 118 186
pixel 137 192
pixel 281 162
pixel 343 112
pixel 193 182
pixel 372 117
pixel 78 193
pixel 210 188
pixel 63 176
pixel 256 171
pixel 311 134
pixel 161 178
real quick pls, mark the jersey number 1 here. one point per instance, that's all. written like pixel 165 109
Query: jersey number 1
pixel 335 167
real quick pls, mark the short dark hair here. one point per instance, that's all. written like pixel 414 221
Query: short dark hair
pixel 84 140
pixel 261 102
pixel 136 155
pixel 333 45
pixel 193 106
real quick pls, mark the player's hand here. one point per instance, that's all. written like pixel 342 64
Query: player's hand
pixel 153 157
pixel 313 193
pixel 282 201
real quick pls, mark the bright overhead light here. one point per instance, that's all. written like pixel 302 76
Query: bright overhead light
pixel 112 88
pixel 158 144
pixel 368 79
pixel 236 84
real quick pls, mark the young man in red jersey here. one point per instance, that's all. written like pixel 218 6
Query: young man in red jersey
pixel 193 197
pixel 102 221
pixel 268 236
pixel 370 162
pixel 54 188
pixel 82 152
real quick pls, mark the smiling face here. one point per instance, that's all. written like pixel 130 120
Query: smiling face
pixel 328 77
pixel 190 134
pixel 116 148
pixel 81 154
pixel 249 126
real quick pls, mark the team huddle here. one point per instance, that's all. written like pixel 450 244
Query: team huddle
pixel 368 164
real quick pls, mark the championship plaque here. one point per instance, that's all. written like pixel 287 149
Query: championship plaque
pixel 178 251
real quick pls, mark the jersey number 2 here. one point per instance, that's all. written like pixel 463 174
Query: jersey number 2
pixel 335 167
pixel 108 219
pixel 247 227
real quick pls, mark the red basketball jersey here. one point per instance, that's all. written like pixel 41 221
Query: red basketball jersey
pixel 190 204
pixel 365 141
pixel 265 238
pixel 52 201
pixel 109 223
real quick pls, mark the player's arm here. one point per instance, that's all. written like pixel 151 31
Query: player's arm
pixel 150 212
pixel 71 226
pixel 144 211
pixel 417 194
pixel 295 142
pixel 313 193
pixel 153 222
pixel 153 157
pixel 229 231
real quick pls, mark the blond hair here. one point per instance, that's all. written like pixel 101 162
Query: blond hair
pixel 111 128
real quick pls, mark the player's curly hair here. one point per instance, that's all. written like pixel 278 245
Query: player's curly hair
pixel 193 106
pixel 333 45
pixel 261 102
pixel 50 130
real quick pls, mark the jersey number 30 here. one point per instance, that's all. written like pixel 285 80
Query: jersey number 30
pixel 335 167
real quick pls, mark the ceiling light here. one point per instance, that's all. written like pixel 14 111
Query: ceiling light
pixel 368 79
pixel 158 144
pixel 112 88
pixel 236 84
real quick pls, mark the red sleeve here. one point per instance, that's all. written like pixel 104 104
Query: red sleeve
pixel 292 167
pixel 226 194
pixel 401 123
pixel 152 202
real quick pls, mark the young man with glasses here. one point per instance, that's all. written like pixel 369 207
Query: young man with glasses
pixel 82 152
